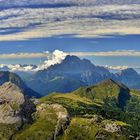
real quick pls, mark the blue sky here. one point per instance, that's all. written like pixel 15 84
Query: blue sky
pixel 71 44
pixel 104 26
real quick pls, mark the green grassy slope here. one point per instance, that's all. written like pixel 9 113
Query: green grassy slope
pixel 44 126
pixel 88 129
pixel 107 111
pixel 109 99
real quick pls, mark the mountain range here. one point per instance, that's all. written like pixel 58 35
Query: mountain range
pixel 73 73
pixel 97 104
pixel 108 110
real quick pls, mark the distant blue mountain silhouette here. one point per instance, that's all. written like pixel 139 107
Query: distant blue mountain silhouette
pixel 73 73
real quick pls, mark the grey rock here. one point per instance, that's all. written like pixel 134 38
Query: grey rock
pixel 13 104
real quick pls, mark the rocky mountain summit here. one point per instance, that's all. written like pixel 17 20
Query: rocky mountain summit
pixel 16 109
pixel 73 72
pixel 13 104
pixel 11 99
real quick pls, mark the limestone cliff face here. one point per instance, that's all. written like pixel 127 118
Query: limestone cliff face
pixel 9 92
pixel 12 104
pixel 6 76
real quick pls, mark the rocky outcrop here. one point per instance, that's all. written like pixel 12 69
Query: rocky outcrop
pixel 11 93
pixel 62 117
pixel 13 104
pixel 112 127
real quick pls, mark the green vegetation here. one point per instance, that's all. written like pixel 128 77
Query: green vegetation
pixel 80 129
pixel 46 123
pixel 108 111
pixel 110 100
pixel 15 106
pixel 7 130
pixel 88 129
pixel 42 128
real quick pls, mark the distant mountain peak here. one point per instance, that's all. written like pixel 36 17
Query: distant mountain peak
pixel 81 71
pixel 74 59
pixel 129 71
pixel 71 64
pixel 71 57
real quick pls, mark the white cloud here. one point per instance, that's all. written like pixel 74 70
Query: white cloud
pixel 17 67
pixel 117 67
pixel 109 53
pixel 83 21
pixel 23 55
pixel 55 57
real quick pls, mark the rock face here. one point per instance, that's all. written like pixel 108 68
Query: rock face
pixel 6 76
pixel 50 121
pixel 12 104
pixel 112 127
pixel 11 93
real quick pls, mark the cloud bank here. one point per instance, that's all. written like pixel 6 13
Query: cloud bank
pixel 91 18
pixel 109 53
pixel 57 57
pixel 52 58
pixel 23 55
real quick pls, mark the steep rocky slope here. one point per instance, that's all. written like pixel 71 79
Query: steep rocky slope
pixel 11 99
pixel 6 76
pixel 15 109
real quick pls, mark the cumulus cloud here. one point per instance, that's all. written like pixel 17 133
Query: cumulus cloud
pixel 79 19
pixel 52 58
pixel 17 67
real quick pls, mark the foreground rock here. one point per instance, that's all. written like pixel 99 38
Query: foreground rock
pixel 13 104
pixel 49 122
